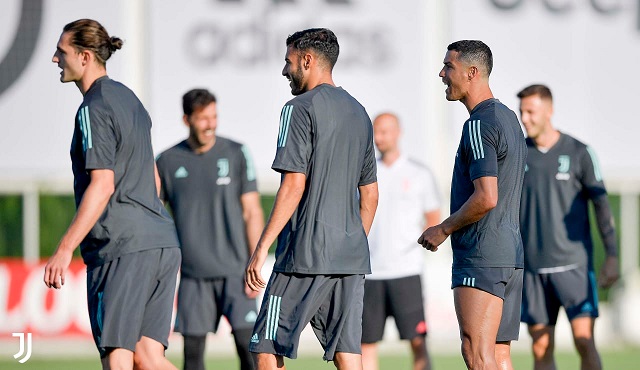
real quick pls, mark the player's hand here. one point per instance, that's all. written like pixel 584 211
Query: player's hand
pixel 432 237
pixel 56 268
pixel 609 273
pixel 253 273
pixel 250 293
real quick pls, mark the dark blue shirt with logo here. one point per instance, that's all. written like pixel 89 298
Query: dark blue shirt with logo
pixel 554 213
pixel 492 144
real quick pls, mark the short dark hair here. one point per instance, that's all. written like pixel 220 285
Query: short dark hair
pixel 321 40
pixel 474 52
pixel 541 90
pixel 88 34
pixel 196 99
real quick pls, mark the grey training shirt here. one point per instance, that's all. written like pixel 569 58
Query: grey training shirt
pixel 554 212
pixel 203 191
pixel 492 144
pixel 326 135
pixel 113 131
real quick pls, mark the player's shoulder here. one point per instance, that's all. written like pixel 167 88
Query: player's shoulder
pixel 573 144
pixel 175 151
pixel 104 92
pixel 229 144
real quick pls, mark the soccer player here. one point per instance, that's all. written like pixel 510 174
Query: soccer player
pixel 562 176
pixel 210 184
pixel 127 239
pixel 409 203
pixel 322 213
pixel 485 199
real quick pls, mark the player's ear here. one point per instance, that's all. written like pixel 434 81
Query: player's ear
pixel 472 72
pixel 185 120
pixel 306 60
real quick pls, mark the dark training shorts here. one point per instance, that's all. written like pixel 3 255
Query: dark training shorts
pixel 544 294
pixel 131 297
pixel 331 303
pixel 202 302
pixel 503 282
pixel 399 298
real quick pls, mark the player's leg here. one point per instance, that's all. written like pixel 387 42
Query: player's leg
pixel 540 308
pixel 407 308
pixel 289 303
pixel 193 348
pixel 421 360
pixel 156 322
pixel 241 312
pixel 347 361
pixel 479 316
pixel 582 329
pixel 118 359
pixel 268 361
pixel 479 299
pixel 116 305
pixel 337 322
pixel 542 346
pixel 374 316
pixel 578 293
pixel 509 329
pixel 242 337
pixel 197 315
pixel 150 355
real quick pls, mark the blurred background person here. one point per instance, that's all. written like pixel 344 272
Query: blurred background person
pixel 409 202
pixel 562 176
pixel 210 184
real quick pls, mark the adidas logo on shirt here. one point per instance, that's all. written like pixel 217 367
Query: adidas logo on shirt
pixel 255 339
pixel 181 173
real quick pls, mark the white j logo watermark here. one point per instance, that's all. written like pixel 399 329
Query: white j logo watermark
pixel 22 347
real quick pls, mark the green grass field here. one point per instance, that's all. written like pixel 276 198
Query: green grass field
pixel 627 359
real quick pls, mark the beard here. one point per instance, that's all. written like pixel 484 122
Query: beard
pixel 296 82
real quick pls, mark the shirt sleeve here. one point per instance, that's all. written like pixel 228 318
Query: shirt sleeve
pixel 369 172
pixel 481 146
pixel 248 175
pixel 294 140
pixel 591 176
pixel 99 139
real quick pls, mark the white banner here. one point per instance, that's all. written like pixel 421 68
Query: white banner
pixel 236 49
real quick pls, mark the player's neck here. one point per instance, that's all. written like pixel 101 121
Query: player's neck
pixel 90 76
pixel 476 95
pixel 320 79
pixel 390 157
pixel 200 148
pixel 547 139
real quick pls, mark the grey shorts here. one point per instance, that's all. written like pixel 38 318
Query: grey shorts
pixel 505 283
pixel 131 297
pixel 202 303
pixel 544 294
pixel 400 298
pixel 331 303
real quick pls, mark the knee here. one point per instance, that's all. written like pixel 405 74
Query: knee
pixel 584 345
pixel 144 360
pixel 543 347
pixel 477 356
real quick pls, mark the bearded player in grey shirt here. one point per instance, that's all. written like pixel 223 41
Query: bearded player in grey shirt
pixel 562 176
pixel 210 184
pixel 323 212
